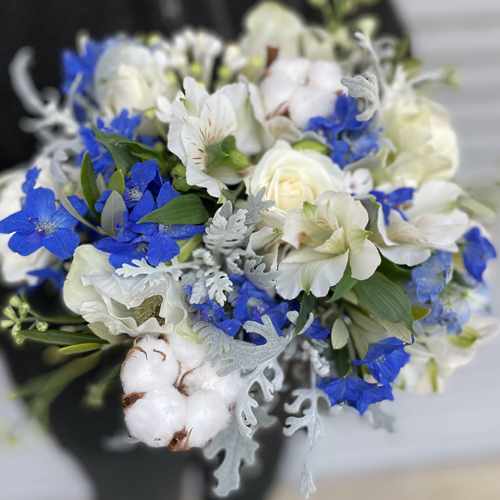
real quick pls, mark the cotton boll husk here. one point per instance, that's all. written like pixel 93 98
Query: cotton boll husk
pixel 149 365
pixel 207 415
pixel 205 378
pixel 156 416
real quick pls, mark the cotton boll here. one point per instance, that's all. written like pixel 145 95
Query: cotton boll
pixel 205 378
pixel 156 416
pixel 207 415
pixel 150 364
pixel 189 353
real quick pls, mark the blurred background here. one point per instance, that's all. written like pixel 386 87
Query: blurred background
pixel 445 447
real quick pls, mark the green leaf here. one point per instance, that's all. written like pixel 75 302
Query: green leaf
pixel 89 184
pixel 340 334
pixel 343 286
pixel 52 384
pixel 59 337
pixel 185 209
pixel 96 391
pixel 307 303
pixel 419 312
pixel 117 147
pixel 187 247
pixel 117 182
pixel 311 145
pixel 113 213
pixel 80 348
pixel 394 272
pixel 385 299
pixel 342 362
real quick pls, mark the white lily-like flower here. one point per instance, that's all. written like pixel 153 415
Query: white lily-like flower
pixel 435 358
pixel 301 88
pixel 327 238
pixel 199 120
pixel 115 304
pixel 433 223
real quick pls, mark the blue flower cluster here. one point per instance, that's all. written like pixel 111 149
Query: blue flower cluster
pixel 478 250
pixel 250 303
pixel 123 125
pixel 393 201
pixel 428 287
pixel 81 65
pixel 384 361
pixel 42 223
pixel 145 191
pixel 349 139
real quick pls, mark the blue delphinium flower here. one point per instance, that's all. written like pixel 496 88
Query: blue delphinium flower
pixel 429 279
pixel 138 180
pixel 385 359
pixel 478 250
pixel 41 223
pixel 82 65
pixel 355 392
pixel 393 200
pixel 135 240
pixel 123 125
pixel 30 179
pixel 349 139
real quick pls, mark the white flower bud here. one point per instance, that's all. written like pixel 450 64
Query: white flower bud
pixel 207 415
pixel 150 364
pixel 155 417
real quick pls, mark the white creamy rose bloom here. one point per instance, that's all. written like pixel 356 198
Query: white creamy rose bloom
pixel 173 397
pixel 130 76
pixel 198 120
pixel 301 88
pixel 425 145
pixel 327 238
pixel 114 304
pixel 291 177
pixel 433 222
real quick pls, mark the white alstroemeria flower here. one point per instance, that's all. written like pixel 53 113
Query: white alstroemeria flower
pixel 424 144
pixel 173 396
pixel 301 88
pixel 327 238
pixel 435 358
pixel 292 177
pixel 131 76
pixel 199 120
pixel 114 304
pixel 433 223
pixel 358 182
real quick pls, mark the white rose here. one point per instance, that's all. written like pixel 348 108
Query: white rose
pixel 425 144
pixel 115 304
pixel 301 88
pixel 291 177
pixel 129 76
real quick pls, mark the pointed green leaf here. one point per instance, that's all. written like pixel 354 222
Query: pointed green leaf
pixel 343 286
pixel 385 299
pixel 59 337
pixel 307 303
pixel 119 151
pixel 80 348
pixel 113 213
pixel 117 182
pixel 185 209
pixel 89 184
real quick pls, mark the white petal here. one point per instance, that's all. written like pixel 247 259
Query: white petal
pixel 364 262
pixel 407 255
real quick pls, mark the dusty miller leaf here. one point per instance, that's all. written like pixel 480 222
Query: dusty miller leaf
pixel 255 206
pixel 218 285
pixel 226 230
pixel 232 354
pixel 364 87
pixel 238 450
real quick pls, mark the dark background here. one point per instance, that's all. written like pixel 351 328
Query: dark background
pixel 49 26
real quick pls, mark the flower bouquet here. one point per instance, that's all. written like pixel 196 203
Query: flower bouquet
pixel 213 223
